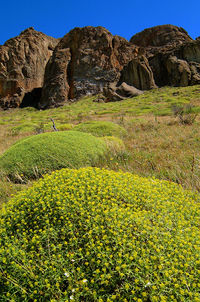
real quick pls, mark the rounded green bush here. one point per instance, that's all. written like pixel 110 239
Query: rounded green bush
pixel 99 235
pixel 101 128
pixel 33 156
pixel 62 127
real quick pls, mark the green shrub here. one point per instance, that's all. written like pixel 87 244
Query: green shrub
pixel 99 128
pixel 62 127
pixel 23 128
pixel 99 235
pixel 33 156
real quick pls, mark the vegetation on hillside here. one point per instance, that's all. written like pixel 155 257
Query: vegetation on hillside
pixel 99 235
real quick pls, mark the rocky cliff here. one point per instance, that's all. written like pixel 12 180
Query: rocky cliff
pixel 22 64
pixel 85 61
pixel 41 71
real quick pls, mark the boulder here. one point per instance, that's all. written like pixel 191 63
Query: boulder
pixel 22 65
pixel 115 93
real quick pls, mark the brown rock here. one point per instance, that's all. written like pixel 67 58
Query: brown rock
pixel 178 72
pixel 173 56
pixel 177 67
pixel 128 91
pixel 161 35
pixel 89 59
pixel 22 64
pixel 138 73
pixel 115 93
pixel 56 88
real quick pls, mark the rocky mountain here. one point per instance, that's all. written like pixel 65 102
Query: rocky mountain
pixel 38 70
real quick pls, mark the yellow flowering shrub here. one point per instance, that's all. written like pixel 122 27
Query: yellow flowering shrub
pixel 100 235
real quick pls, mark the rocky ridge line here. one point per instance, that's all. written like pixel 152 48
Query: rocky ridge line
pixel 37 70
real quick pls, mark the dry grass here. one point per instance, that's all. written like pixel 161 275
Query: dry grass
pixel 167 150
pixel 158 145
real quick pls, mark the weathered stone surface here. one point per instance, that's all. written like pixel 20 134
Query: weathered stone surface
pixel 177 67
pixel 161 35
pixel 178 72
pixel 89 59
pixel 115 93
pixel 22 64
pixel 56 86
pixel 138 73
pixel 173 56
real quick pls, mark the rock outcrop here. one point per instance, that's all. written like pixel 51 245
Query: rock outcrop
pixel 177 67
pixel 45 72
pixel 22 65
pixel 173 56
pixel 160 36
pixel 84 62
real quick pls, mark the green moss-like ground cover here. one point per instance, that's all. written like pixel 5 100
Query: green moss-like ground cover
pixel 35 155
pixel 101 128
pixel 99 235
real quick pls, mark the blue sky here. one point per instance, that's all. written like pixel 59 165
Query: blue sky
pixel 124 17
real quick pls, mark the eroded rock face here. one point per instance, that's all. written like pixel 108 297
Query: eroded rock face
pixel 160 36
pixel 22 65
pixel 138 73
pixel 89 59
pixel 177 67
pixel 46 72
pixel 173 56
pixel 84 62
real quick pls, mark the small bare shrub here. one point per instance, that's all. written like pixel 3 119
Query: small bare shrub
pixel 185 114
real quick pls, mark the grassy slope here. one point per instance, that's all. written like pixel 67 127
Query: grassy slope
pixel 158 145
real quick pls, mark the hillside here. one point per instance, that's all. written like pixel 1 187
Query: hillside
pixel 101 235
pixel 100 167
pixel 157 143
